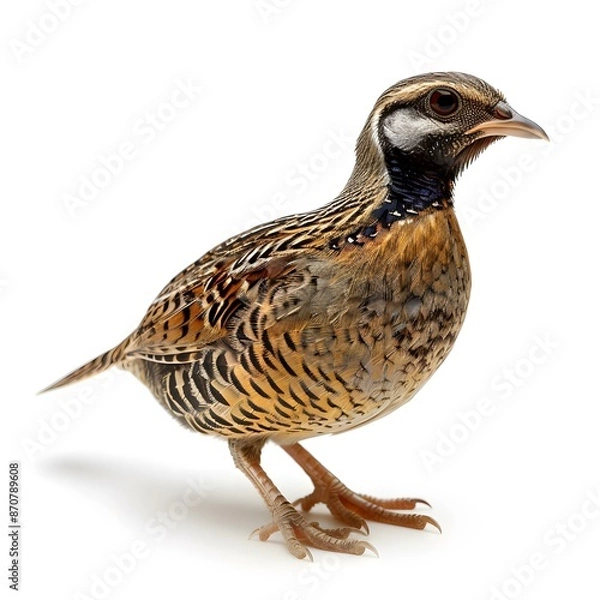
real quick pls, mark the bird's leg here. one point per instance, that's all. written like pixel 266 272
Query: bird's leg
pixel 349 507
pixel 296 530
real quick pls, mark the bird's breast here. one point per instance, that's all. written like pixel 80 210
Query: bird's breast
pixel 407 294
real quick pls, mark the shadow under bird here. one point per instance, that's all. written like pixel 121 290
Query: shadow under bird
pixel 320 322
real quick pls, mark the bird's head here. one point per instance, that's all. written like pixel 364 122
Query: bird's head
pixel 442 121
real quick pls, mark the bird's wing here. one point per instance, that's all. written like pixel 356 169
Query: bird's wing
pixel 194 310
pixel 197 307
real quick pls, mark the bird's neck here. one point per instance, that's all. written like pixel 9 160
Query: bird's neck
pixel 413 188
pixel 379 193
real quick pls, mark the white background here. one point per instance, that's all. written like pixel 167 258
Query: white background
pixel 101 462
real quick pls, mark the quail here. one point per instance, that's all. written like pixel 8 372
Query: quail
pixel 320 322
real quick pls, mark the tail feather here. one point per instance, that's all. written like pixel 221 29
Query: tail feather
pixel 94 367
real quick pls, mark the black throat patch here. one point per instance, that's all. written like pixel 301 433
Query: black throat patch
pixel 413 188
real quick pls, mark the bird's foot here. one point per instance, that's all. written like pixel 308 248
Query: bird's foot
pixel 298 533
pixel 355 509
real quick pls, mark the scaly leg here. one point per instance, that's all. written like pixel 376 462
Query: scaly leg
pixel 348 506
pixel 296 531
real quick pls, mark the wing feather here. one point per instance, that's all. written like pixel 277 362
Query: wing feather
pixel 196 309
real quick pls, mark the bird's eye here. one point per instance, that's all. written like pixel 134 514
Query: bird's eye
pixel 444 102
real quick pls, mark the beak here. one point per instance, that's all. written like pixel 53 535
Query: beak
pixel 508 121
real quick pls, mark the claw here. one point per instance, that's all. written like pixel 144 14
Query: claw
pixel 369 546
pixel 264 532
pixel 432 522
pixel 421 501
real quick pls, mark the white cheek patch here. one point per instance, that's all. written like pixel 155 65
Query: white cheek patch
pixel 406 129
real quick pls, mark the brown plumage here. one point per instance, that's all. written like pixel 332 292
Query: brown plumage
pixel 320 322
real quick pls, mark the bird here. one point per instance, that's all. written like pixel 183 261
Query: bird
pixel 324 321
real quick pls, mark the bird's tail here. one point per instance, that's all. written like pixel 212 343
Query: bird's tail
pixel 94 367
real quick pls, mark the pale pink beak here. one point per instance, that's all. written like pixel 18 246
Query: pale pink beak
pixel 507 122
